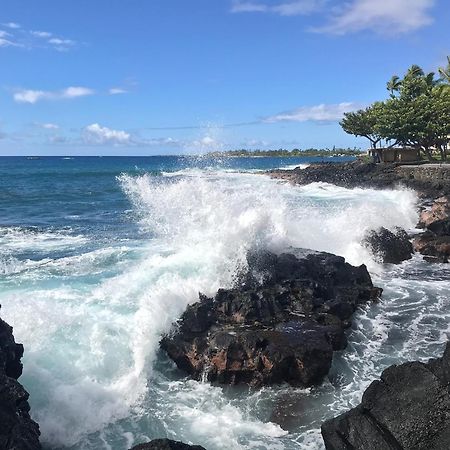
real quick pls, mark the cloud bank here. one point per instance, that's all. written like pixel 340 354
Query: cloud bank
pixel 34 96
pixel 95 134
pixel 317 113
pixel 379 16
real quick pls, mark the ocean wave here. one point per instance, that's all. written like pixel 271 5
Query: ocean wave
pixel 92 363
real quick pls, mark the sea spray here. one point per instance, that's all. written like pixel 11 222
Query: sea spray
pixel 91 321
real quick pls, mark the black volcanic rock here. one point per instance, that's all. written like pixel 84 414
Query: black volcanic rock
pixel 281 325
pixel 434 243
pixel 409 408
pixel 17 430
pixel 166 444
pixel 434 248
pixel 392 247
pixel 430 180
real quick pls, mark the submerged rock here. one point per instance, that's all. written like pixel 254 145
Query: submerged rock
pixel 392 247
pixel 17 430
pixel 281 325
pixel 409 408
pixel 166 444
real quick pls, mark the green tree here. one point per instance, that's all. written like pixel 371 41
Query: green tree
pixel 363 123
pixel 393 85
pixel 417 114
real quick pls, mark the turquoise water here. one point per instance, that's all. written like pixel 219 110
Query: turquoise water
pixel 98 256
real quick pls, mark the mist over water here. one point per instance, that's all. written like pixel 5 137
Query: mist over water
pixel 100 270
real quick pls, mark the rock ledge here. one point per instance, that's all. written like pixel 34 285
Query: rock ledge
pixel 284 329
pixel 409 408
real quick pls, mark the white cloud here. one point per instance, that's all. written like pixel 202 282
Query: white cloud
pixel 49 126
pixel 30 39
pixel 33 96
pixel 317 113
pixel 6 43
pixel 12 25
pixel 283 8
pixel 60 44
pixel 380 16
pixel 76 91
pixel 115 91
pixel 95 134
pixel 59 41
pixel 204 144
pixel 41 34
pixel 29 96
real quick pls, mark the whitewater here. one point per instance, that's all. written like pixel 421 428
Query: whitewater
pixel 99 256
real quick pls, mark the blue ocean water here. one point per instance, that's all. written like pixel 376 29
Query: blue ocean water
pixel 98 257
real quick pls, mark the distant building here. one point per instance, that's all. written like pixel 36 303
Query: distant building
pixel 393 154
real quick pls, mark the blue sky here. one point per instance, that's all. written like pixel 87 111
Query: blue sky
pixel 142 77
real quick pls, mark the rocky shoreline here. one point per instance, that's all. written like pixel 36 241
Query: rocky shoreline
pixel 408 408
pixel 429 180
pixel 17 430
pixel 286 316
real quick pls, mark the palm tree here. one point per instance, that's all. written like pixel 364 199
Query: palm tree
pixel 444 72
pixel 415 71
pixel 393 85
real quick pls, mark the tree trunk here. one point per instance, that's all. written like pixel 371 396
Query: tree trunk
pixel 427 152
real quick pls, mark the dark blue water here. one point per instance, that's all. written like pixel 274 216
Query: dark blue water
pixel 83 191
pixel 99 256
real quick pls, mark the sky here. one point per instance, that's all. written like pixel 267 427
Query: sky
pixel 156 77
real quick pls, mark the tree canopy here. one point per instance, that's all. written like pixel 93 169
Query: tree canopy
pixel 416 114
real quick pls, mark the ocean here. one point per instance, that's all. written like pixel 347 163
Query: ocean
pixel 99 256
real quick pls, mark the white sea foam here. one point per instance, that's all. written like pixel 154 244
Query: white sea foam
pixel 32 239
pixel 294 166
pixel 92 347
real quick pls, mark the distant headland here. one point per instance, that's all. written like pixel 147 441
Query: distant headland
pixel 326 152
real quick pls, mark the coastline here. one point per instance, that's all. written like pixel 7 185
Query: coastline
pixel 432 191
pixel 428 180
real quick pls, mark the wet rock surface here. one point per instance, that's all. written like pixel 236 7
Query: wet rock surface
pixel 17 430
pixel 434 243
pixel 166 444
pixel 283 329
pixel 391 247
pixel 430 180
pixel 409 408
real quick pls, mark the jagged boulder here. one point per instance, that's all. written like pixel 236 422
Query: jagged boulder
pixel 440 210
pixel 434 248
pixel 434 243
pixel 281 324
pixel 409 408
pixel 391 247
pixel 166 444
pixel 17 430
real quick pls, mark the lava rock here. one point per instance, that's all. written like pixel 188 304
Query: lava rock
pixel 281 325
pixel 435 248
pixel 440 211
pixel 434 243
pixel 391 247
pixel 17 430
pixel 409 408
pixel 429 180
pixel 166 444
